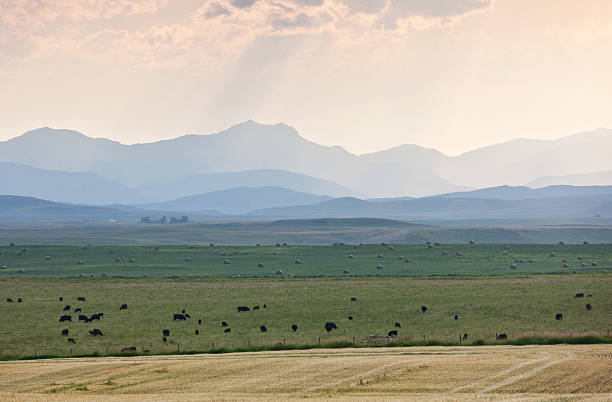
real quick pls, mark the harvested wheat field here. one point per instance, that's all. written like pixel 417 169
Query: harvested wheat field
pixel 564 372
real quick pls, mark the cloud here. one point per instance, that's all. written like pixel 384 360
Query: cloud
pixel 242 3
pixel 215 9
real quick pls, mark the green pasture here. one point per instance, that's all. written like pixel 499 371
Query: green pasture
pixel 315 261
pixel 519 306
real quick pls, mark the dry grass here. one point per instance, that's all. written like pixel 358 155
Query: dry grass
pixel 577 372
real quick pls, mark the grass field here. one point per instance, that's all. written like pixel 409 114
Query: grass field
pixel 205 261
pixel 521 306
pixel 552 373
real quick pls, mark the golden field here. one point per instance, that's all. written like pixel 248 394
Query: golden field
pixel 563 372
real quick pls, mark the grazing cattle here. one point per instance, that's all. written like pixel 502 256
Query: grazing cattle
pixel 80 262
pixel 458 253
pixel 78 310
pixel 19 300
pixel 191 247
pixel 558 316
pixel 277 244
pixel 594 264
pixel 263 328
pixel 179 317
pixel 164 339
pixel 47 257
pixel 156 248
pixel 187 259
pixel 183 311
pixel 260 265
pixel 199 322
pixel 351 257
pixel 83 318
pixel 552 254
pixel 329 326
pixel 423 309
pixel 456 317
pixel 390 248
pixel 61 299
pixel 380 256
pixel 444 253
pixel 80 298
pixel 67 308
pixel 562 243
pixel 588 307
pixel 501 337
pixel 257 245
pixel 227 262
pixel 429 245
pixel 465 336
pixel 128 349
pixel 64 332
pixel 564 260
pixel 513 266
pixel 9 300
pixel 279 272
pixel 585 243
pixel 95 317
pixel 21 271
pixel 298 261
pixel 71 340
pixel 132 260
pixel 294 327
pixel 472 242
pixel 398 325
pixel 123 307
pixel 505 252
pixel 383 244
pixel 96 332
pixel 166 332
pixel 392 333
pixel 565 266
pixel 531 261
pixel 345 272
pixel 187 315
pixel 65 318
pixel 255 308
pixel 353 299
pixel 227 330
pixel 212 244
pixel 579 295
pixel 224 324
pixel 407 260
pixel 242 308
pixel 197 332
pixel 579 258
pixel 379 266
pixel 583 265
pixel 284 243
pixel 350 318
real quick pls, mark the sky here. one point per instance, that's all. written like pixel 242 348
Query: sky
pixel 364 74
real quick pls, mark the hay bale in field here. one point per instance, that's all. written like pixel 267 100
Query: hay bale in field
pixel 3 267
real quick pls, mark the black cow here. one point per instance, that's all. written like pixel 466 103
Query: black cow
pixel 350 318
pixel 179 317
pixel 330 326
pixel 9 300
pixel 187 315
pixel 83 318
pixel 65 318
pixel 392 333
pixel 224 324
pixel 353 299
pixel 465 336
pixel 166 332
pixel 165 339
pixel 61 299
pixel 397 325
pixel 588 307
pixel 183 311
pixel 501 337
pixel 263 328
pixel 71 340
pixel 19 300
pixel 95 317
pixel 64 332
pixel 423 309
pixel 294 327
pixel 123 307
pixel 255 308
pixel 96 332
pixel 78 310
pixel 80 298
pixel 227 330
pixel 579 295
pixel 243 308
pixel 558 316
pixel 199 322
pixel 197 332
pixel 456 317
pixel 128 349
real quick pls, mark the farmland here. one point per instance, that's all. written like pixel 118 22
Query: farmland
pixel 363 260
pixel 564 372
pixel 521 306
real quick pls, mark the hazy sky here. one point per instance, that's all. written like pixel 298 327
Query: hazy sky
pixel 364 74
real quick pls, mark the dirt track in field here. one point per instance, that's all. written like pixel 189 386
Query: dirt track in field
pixel 581 372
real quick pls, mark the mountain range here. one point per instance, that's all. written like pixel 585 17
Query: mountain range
pixel 252 154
